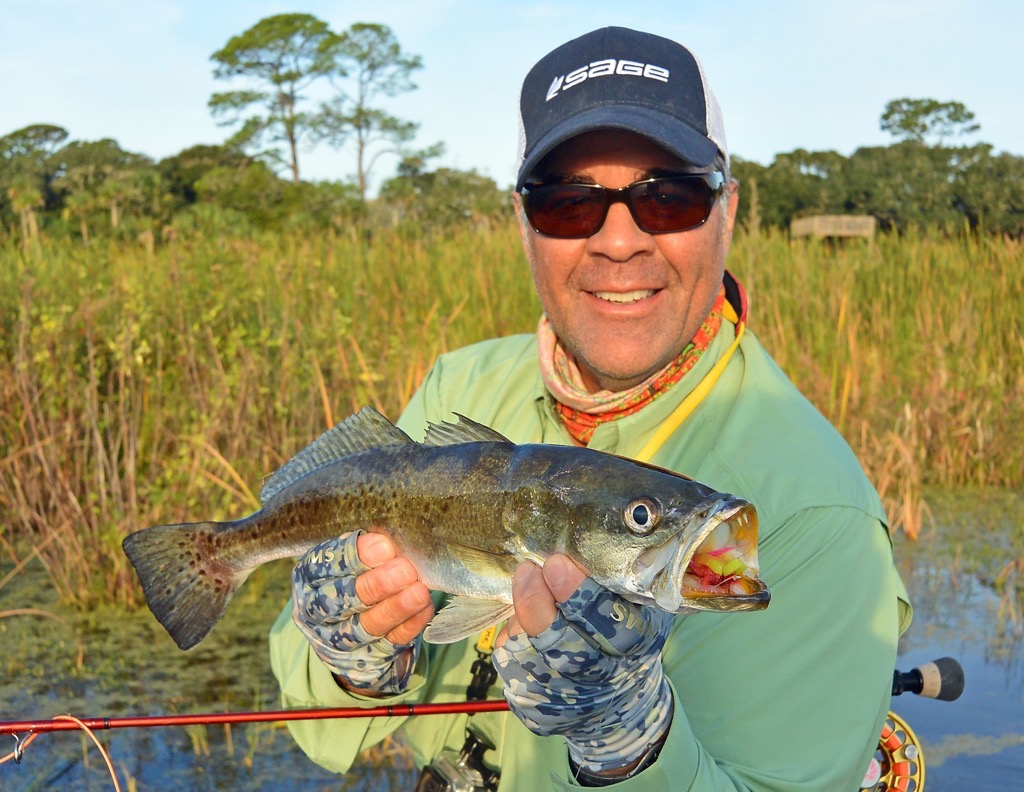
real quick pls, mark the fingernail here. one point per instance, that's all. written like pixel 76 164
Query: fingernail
pixel 555 570
pixel 399 575
pixel 413 597
pixel 524 572
pixel 375 549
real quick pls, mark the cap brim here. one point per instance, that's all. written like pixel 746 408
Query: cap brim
pixel 670 133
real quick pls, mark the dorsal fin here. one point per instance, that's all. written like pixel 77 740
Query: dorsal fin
pixel 363 431
pixel 465 431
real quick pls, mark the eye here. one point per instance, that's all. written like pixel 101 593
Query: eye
pixel 641 516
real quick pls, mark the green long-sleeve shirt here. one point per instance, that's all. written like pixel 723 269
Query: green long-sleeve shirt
pixel 790 698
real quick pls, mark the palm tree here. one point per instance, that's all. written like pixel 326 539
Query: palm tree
pixel 81 204
pixel 26 197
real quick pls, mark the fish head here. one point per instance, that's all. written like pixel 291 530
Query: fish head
pixel 658 538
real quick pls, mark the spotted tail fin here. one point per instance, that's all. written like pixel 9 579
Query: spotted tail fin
pixel 186 577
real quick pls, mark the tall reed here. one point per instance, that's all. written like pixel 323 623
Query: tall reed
pixel 139 387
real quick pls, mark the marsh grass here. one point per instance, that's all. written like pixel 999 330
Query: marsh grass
pixel 912 346
pixel 141 386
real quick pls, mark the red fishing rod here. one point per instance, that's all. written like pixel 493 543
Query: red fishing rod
pixel 136 721
pixel 898 763
pixel 942 679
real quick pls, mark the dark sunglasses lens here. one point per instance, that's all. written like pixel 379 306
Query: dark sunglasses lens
pixel 564 210
pixel 673 204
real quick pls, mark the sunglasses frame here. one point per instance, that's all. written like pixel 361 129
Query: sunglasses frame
pixel 713 180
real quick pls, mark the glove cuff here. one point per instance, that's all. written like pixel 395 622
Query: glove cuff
pixel 593 780
pixel 638 734
pixel 378 667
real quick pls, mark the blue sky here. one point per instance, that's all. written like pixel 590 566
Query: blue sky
pixel 812 74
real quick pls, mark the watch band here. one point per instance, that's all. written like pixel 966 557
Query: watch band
pixel 586 779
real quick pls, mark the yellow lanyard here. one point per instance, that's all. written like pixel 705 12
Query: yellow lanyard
pixel 697 395
pixel 485 643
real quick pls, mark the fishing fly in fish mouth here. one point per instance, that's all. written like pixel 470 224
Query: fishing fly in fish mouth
pixel 466 506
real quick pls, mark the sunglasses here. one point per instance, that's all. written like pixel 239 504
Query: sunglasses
pixel 662 205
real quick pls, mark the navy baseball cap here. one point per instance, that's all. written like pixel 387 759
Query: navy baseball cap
pixel 617 78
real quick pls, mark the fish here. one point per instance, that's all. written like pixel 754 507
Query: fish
pixel 465 506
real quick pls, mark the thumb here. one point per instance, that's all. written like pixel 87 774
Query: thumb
pixel 562 576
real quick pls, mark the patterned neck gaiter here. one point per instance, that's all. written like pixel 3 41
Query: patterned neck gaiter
pixel 582 411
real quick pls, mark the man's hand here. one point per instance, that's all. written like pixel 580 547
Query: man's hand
pixel 535 592
pixel 361 607
pixel 582 662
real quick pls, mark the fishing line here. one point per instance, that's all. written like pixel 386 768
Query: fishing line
pixel 20 745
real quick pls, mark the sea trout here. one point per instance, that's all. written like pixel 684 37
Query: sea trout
pixel 466 506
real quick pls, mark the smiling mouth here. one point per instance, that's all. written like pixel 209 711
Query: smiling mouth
pixel 625 297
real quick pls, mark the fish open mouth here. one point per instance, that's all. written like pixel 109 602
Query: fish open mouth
pixel 717 569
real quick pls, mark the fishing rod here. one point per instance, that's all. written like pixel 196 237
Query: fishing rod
pixel 210 718
pixel 898 762
pixel 942 679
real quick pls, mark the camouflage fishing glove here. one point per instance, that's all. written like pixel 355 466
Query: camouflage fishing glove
pixel 326 610
pixel 595 677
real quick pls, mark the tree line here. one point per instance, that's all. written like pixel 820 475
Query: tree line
pixel 295 82
pixel 922 180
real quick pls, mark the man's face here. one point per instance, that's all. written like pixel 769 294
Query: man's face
pixel 625 302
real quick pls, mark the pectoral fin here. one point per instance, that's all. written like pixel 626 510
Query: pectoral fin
pixel 483 563
pixel 464 616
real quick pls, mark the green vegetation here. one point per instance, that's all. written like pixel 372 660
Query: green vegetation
pixel 145 385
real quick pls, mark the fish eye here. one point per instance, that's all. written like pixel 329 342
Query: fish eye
pixel 641 516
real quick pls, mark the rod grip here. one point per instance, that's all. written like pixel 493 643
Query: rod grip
pixel 941 679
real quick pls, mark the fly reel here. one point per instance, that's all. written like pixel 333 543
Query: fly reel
pixel 898 763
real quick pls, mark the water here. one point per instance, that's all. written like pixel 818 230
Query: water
pixel 964 610
pixel 129 666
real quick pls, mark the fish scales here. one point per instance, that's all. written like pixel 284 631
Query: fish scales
pixel 422 498
pixel 466 506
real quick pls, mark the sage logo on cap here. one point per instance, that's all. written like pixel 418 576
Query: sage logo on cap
pixel 603 68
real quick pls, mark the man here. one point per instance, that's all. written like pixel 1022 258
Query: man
pixel 627 213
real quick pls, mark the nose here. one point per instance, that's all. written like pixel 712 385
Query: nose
pixel 619 238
